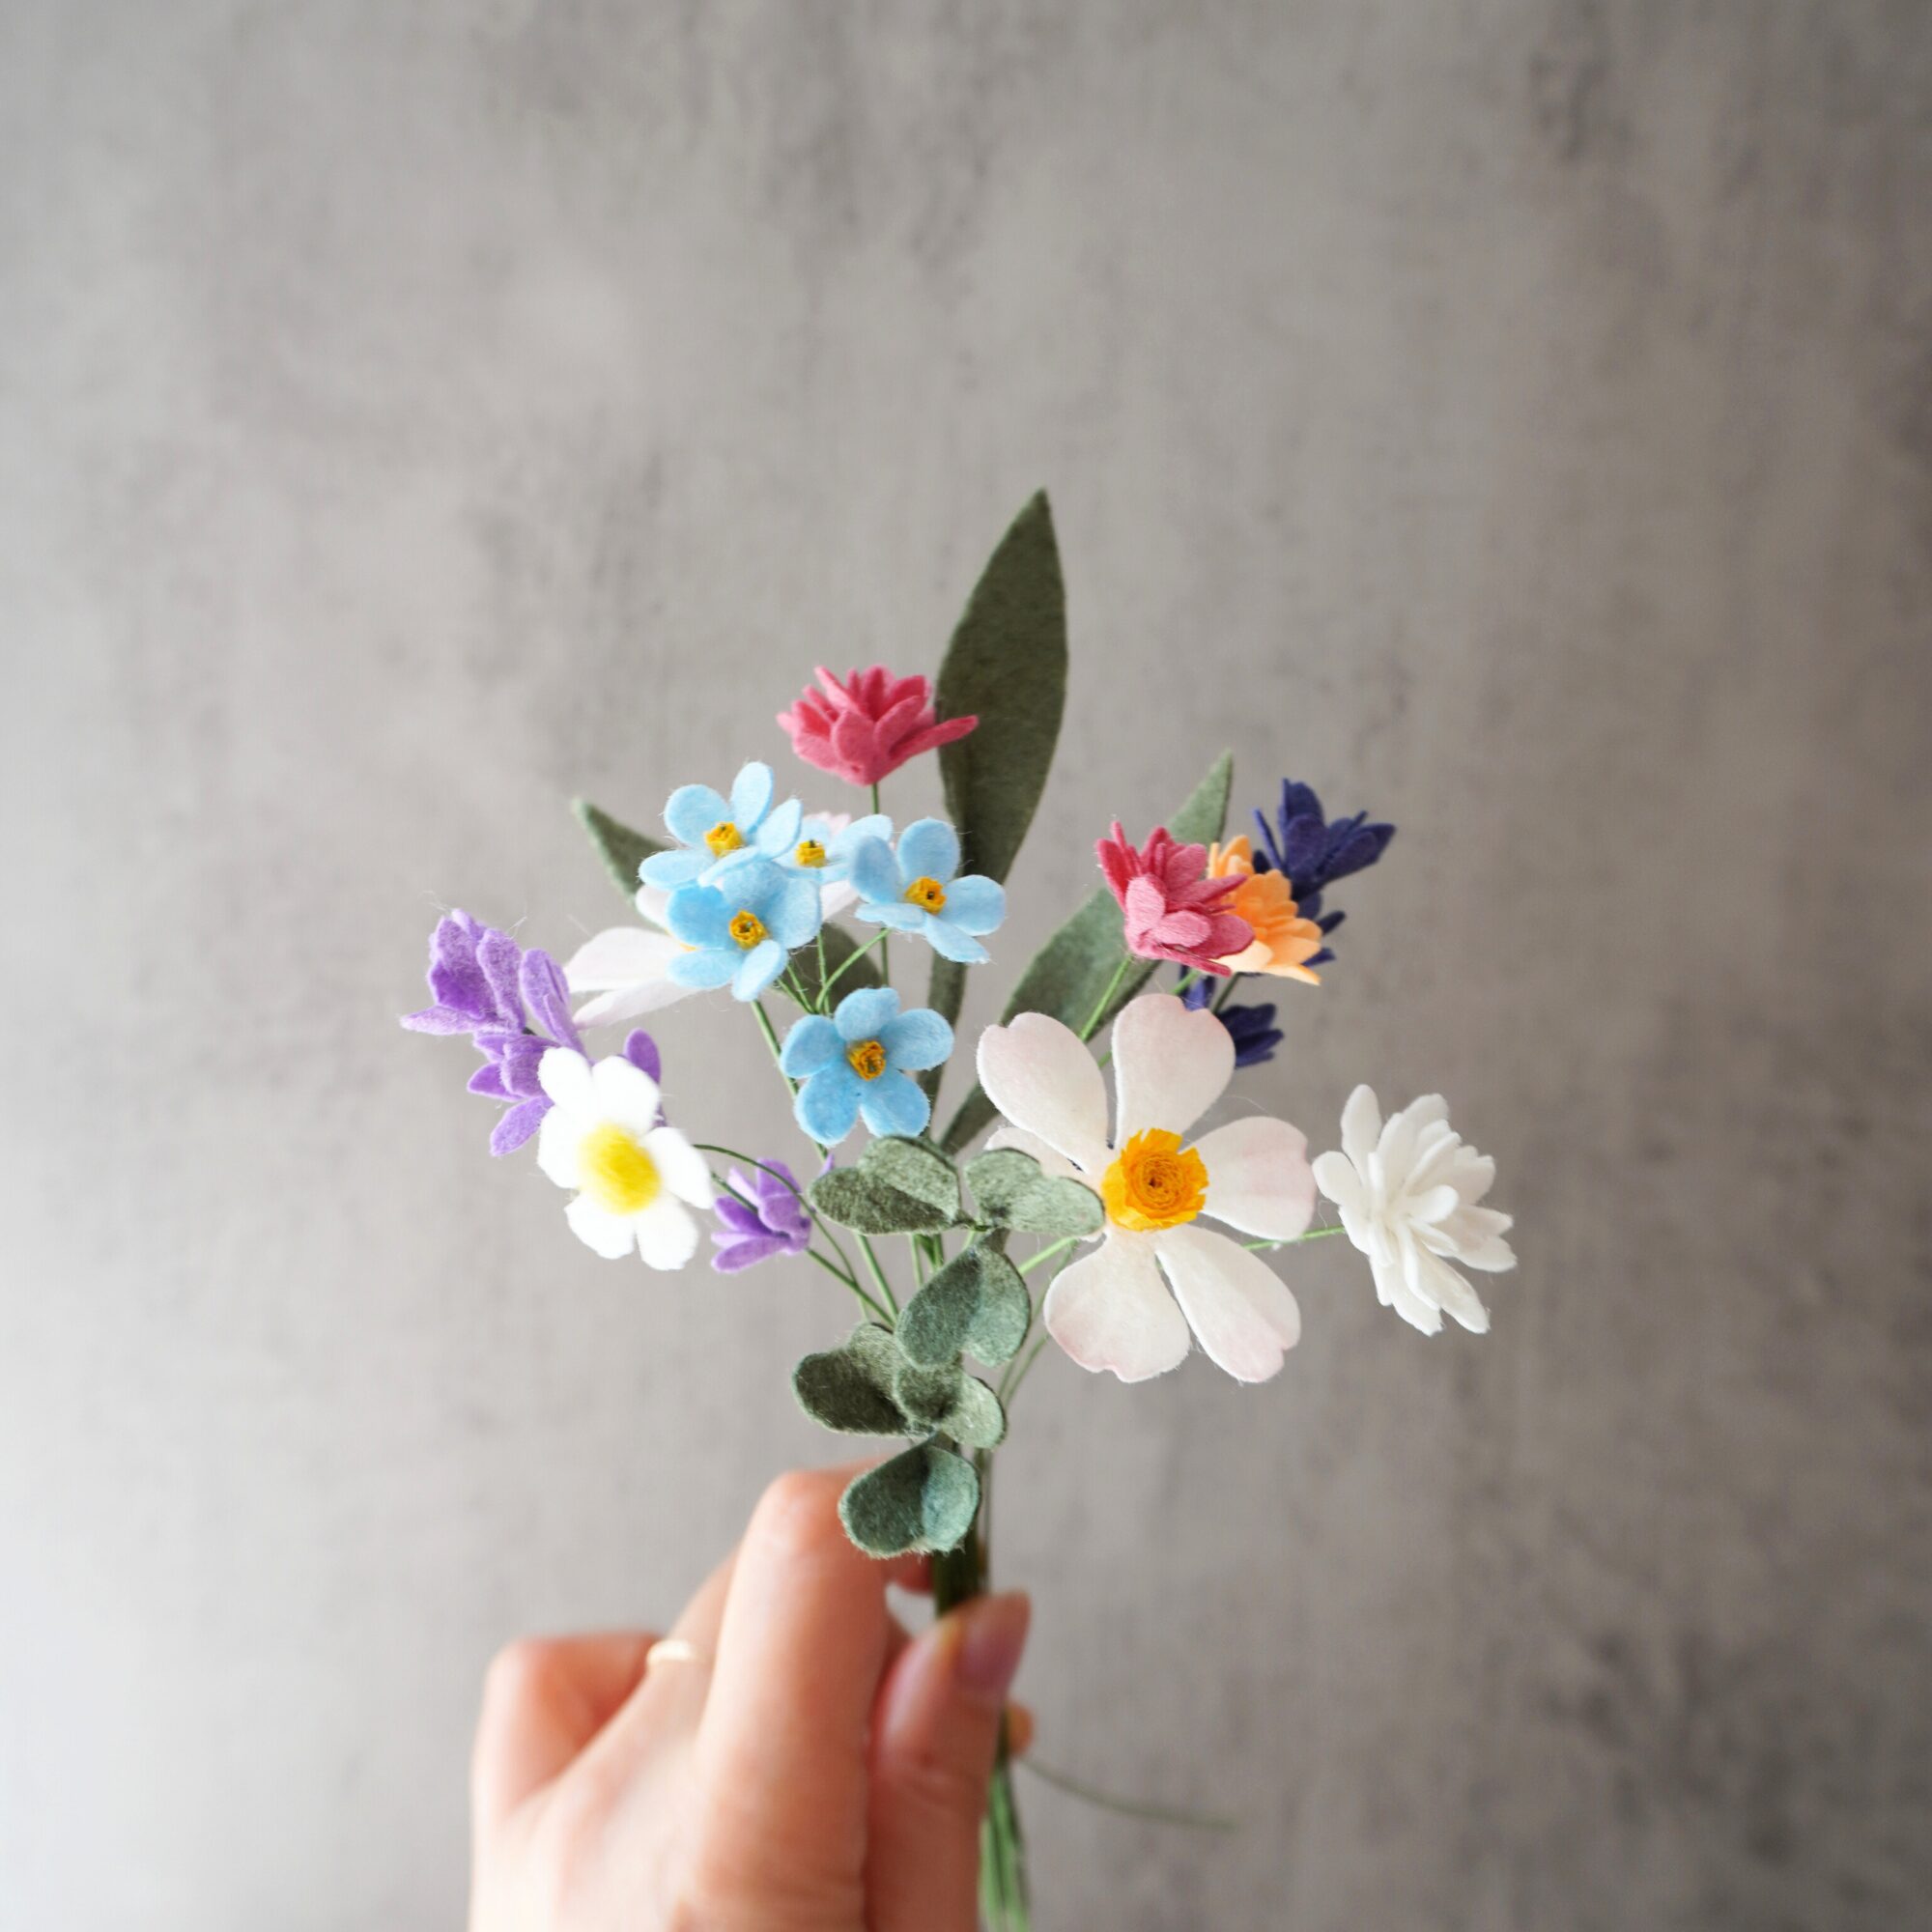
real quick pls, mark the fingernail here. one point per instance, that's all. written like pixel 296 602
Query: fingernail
pixel 1020 1729
pixel 993 1632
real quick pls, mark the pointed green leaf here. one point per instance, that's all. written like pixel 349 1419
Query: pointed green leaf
pixel 1010 1190
pixel 621 849
pixel 839 946
pixel 923 1499
pixel 1068 975
pixel 850 1388
pixel 977 1302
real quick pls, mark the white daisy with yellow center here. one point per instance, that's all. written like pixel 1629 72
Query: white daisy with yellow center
pixel 1130 1305
pixel 636 1178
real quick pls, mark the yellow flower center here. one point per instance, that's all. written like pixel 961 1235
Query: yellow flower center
pixel 926 894
pixel 868 1059
pixel 618 1175
pixel 1154 1182
pixel 748 928
pixel 722 839
pixel 809 852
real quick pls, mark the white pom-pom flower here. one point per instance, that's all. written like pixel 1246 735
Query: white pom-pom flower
pixel 1407 1193
pixel 637 1179
pixel 1112 1309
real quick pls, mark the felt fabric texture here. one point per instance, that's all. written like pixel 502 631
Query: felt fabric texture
pixel 866 1031
pixel 1109 1310
pixel 1251 1027
pixel 917 1167
pixel 770 1219
pixel 622 851
pixel 949 1401
pixel 1069 973
pixel 927 856
pixel 784 906
pixel 1171 1064
pixel 921 1502
pixel 1169 908
pixel 849 1388
pixel 1285 939
pixel 977 1303
pixel 626 969
pixel 886 1193
pixel 838 835
pixel 1313 853
pixel 1010 1190
pixel 865 729
pixel 697 816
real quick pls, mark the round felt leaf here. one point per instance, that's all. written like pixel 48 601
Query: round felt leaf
pixel 850 1388
pixel 923 1499
pixel 1010 1190
pixel 977 1302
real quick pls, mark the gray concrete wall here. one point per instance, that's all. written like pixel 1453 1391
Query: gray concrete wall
pixel 1519 418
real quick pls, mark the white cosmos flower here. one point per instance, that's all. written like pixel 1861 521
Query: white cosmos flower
pixel 635 1177
pixel 1111 1309
pixel 628 967
pixel 1407 1193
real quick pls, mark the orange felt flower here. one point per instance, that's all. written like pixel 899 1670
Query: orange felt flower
pixel 1283 939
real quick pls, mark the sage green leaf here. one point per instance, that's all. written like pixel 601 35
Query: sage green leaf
pixel 1011 1190
pixel 621 849
pixel 839 946
pixel 850 1388
pixel 854 1198
pixel 917 1167
pixel 1069 973
pixel 977 1302
pixel 923 1499
pixel 975 1420
pixel 927 1395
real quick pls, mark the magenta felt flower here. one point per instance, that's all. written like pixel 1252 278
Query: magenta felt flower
pixel 1171 908
pixel 868 726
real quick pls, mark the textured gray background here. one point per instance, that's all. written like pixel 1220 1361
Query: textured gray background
pixel 1515 417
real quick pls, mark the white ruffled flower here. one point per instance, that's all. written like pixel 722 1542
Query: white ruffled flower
pixel 1407 1194
pixel 1111 1309
pixel 634 1176
pixel 628 967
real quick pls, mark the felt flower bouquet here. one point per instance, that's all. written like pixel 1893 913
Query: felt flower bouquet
pixel 1127 1232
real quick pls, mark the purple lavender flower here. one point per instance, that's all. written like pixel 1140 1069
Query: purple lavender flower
pixel 774 1223
pixel 1253 1029
pixel 482 982
pixel 1314 853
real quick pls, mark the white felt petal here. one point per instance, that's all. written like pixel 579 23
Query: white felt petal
pixel 1336 1176
pixel 633 1002
pixel 565 1076
pixel 1050 1162
pixel 559 1146
pixel 1110 1310
pixel 1395 1292
pixel 626 1096
pixel 1040 1074
pixel 1257 1177
pixel 598 1229
pixel 1433 1203
pixel 619 956
pixel 1361 1124
pixel 1239 1308
pixel 1452 1293
pixel 666 1233
pixel 681 1167
pixel 653 901
pixel 1170 1065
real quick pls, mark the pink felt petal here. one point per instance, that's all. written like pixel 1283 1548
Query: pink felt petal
pixel 1170 1065
pixel 1040 1074
pixel 1239 1308
pixel 1257 1177
pixel 1110 1311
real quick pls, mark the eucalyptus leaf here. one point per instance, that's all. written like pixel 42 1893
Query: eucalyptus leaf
pixel 923 1499
pixel 1068 975
pixel 927 1396
pixel 621 849
pixel 977 1302
pixel 1011 1190
pixel 914 1166
pixel 850 1388
pixel 975 1420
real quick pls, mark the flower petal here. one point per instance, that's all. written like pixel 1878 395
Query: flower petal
pixel 894 1104
pixel 680 1166
pixel 976 904
pixel 751 795
pixel 1257 1177
pixel 1239 1308
pixel 691 812
pixel 700 916
pixel 1032 1143
pixel 866 1013
pixel 1040 1074
pixel 559 1146
pixel 666 1233
pixel 929 849
pixel 761 965
pixel 517 1125
pixel 812 1043
pixel 795 914
pixel 619 956
pixel 1361 1127
pixel 1109 1310
pixel 565 1076
pixel 874 871
pixel 1336 1176
pixel 624 1094
pixel 917 1040
pixel 699 972
pixel 827 1106
pixel 1432 1279
pixel 952 942
pixel 1170 1065
pixel 598 1229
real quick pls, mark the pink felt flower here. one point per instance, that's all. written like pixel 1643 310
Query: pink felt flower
pixel 1172 909
pixel 868 726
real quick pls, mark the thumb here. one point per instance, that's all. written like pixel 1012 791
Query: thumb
pixel 935 1732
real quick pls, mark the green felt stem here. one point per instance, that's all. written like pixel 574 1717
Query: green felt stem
pixel 1009 1385
pixel 822 970
pixel 828 981
pixel 842 1275
pixel 770 1033
pixel 1046 1254
pixel 879 1275
pixel 1226 993
pixel 1131 1807
pixel 1296 1240
pixel 885 951
pixel 1099 1012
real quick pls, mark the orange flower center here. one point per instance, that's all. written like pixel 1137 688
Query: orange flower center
pixel 868 1059
pixel 722 839
pixel 926 894
pixel 1154 1182
pixel 748 929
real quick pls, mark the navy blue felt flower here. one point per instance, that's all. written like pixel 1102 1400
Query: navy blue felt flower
pixel 1253 1029
pixel 1314 853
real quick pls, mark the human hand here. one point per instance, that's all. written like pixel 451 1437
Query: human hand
pixel 796 1763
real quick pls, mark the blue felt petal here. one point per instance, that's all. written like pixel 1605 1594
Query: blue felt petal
pixel 751 795
pixel 947 941
pixel 875 825
pixel 713 967
pixel 894 912
pixel 762 964
pixel 975 904
pixel 700 916
pixel 893 1104
pixel 873 870
pixel 796 912
pixel 671 869
pixel 779 834
pixel 692 813
pixel 864 1015
pixel 813 1042
pixel 828 1104
pixel 929 849
pixel 752 886
pixel 917 1040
